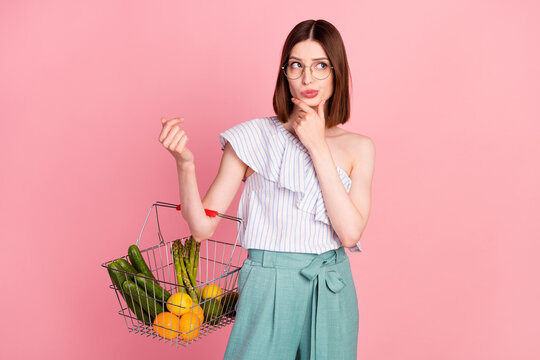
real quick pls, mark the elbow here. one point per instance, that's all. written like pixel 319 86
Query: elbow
pixel 204 233
pixel 351 230
pixel 351 238
pixel 350 242
pixel 201 229
pixel 200 236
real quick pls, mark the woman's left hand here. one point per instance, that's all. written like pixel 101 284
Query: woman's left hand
pixel 309 124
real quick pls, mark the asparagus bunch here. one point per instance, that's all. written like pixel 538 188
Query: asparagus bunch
pixel 186 263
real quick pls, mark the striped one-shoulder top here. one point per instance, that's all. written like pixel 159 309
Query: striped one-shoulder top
pixel 282 204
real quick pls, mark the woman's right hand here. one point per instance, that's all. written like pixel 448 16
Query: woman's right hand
pixel 174 139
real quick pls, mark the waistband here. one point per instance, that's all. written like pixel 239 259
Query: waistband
pixel 268 258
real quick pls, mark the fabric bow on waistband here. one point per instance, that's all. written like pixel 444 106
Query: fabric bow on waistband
pixel 317 273
pixel 333 279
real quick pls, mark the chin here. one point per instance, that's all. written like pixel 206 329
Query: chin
pixel 312 101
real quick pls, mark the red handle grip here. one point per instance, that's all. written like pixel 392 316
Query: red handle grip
pixel 211 213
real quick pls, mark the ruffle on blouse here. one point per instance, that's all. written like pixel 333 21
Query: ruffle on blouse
pixel 273 152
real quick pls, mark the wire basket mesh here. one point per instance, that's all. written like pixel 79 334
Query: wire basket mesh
pixel 219 265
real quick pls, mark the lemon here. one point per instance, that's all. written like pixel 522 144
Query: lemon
pixel 189 326
pixel 198 311
pixel 166 325
pixel 179 303
pixel 211 291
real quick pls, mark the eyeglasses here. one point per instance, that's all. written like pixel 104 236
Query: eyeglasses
pixel 320 70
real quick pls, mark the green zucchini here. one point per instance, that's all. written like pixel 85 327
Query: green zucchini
pixel 149 305
pixel 228 301
pixel 116 274
pixel 138 262
pixel 118 278
pixel 127 267
pixel 152 288
pixel 136 308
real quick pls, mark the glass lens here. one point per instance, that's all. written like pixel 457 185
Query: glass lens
pixel 293 69
pixel 319 70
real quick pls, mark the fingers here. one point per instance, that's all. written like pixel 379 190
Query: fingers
pixel 178 138
pixel 305 108
pixel 181 144
pixel 302 105
pixel 175 134
pixel 178 145
pixel 301 116
pixel 171 122
pixel 320 109
pixel 167 125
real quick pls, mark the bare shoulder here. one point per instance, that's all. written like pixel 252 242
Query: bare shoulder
pixel 350 150
pixel 356 143
pixel 359 151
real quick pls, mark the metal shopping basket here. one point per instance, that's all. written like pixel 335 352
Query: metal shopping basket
pixel 219 264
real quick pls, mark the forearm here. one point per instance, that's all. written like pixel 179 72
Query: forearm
pixel 192 208
pixel 347 221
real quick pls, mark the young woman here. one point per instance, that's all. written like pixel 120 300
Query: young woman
pixel 306 197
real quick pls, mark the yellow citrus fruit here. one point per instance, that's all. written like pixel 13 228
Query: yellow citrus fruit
pixel 197 310
pixel 166 325
pixel 211 291
pixel 179 303
pixel 189 326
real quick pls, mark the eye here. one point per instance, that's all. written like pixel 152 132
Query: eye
pixel 295 64
pixel 321 65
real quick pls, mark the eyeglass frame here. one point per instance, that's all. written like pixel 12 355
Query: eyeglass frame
pixel 303 70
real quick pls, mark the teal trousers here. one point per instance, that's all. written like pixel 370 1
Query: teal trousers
pixel 295 306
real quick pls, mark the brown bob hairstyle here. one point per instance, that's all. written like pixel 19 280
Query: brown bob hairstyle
pixel 328 37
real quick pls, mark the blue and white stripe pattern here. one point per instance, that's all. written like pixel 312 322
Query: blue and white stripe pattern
pixel 281 204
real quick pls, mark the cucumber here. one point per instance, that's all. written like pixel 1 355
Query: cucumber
pixel 139 296
pixel 136 308
pixel 228 301
pixel 118 278
pixel 152 288
pixel 127 267
pixel 116 274
pixel 138 262
pixel 212 311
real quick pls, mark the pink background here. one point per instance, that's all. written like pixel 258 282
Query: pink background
pixel 448 90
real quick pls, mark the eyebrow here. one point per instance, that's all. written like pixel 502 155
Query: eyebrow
pixel 293 57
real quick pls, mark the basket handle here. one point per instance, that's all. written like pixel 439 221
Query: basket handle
pixel 211 213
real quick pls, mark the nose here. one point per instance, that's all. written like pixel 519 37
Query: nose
pixel 306 79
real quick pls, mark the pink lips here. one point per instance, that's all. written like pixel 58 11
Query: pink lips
pixel 309 93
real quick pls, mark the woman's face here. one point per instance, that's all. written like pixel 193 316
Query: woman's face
pixel 308 88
